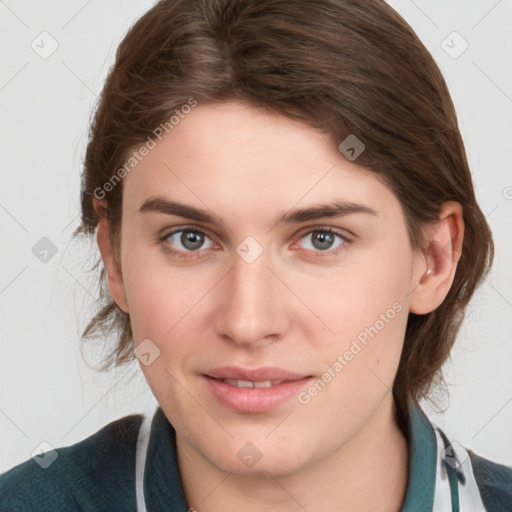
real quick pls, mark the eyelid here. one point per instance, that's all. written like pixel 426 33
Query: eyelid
pixel 343 233
pixel 176 229
pixel 302 233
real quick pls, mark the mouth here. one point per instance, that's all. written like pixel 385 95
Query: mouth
pixel 254 390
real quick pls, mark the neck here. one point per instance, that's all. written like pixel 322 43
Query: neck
pixel 369 472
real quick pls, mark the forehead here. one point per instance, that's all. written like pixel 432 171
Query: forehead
pixel 236 157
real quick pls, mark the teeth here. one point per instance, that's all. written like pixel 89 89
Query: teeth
pixel 244 384
pixel 250 384
pixel 263 384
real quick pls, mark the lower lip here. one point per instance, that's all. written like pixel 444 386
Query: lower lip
pixel 254 400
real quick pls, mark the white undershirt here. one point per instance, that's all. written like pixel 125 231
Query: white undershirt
pixel 140 461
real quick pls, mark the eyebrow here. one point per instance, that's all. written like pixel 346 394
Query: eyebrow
pixel 161 205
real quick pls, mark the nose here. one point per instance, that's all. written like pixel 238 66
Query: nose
pixel 252 306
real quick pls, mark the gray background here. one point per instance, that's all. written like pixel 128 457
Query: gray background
pixel 47 392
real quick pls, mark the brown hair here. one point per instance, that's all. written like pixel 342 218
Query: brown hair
pixel 341 66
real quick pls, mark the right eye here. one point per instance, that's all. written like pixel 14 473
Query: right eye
pixel 190 240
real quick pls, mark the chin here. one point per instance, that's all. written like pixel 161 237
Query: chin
pixel 258 458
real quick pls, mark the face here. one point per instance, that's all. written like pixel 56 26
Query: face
pixel 285 335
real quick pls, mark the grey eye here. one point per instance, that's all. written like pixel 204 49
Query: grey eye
pixel 322 239
pixel 190 240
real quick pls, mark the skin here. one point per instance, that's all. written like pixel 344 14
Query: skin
pixel 296 307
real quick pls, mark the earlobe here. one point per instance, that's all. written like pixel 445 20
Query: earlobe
pixel 114 275
pixel 436 267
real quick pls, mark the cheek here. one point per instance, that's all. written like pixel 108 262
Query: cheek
pixel 165 305
pixel 341 301
pixel 358 363
pixel 161 304
pixel 159 296
pixel 366 309
pixel 345 302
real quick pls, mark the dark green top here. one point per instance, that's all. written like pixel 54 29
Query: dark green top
pixel 98 473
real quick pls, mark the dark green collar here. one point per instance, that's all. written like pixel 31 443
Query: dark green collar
pixel 422 463
pixel 162 483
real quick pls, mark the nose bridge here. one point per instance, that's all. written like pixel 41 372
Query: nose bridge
pixel 251 309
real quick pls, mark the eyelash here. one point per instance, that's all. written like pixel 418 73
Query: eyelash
pixel 320 254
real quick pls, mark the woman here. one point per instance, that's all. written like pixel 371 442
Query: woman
pixel 290 236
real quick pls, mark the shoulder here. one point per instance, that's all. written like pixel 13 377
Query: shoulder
pixel 78 475
pixel 494 483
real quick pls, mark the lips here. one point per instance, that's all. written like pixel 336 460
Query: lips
pixel 266 373
pixel 253 390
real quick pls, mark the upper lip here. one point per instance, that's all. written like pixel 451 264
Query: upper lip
pixel 254 374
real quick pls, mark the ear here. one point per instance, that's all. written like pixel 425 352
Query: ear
pixel 435 266
pixel 114 274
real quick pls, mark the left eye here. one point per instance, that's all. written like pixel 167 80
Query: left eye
pixel 323 239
